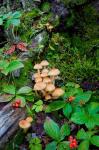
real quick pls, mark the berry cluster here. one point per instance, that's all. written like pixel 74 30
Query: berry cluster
pixel 16 104
pixel 71 98
pixel 73 142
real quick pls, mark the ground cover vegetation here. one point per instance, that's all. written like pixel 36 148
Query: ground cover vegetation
pixel 49 66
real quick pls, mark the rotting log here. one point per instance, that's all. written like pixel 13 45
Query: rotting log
pixel 9 119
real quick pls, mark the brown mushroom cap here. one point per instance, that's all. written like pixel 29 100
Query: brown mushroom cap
pixel 24 124
pixel 45 71
pixel 58 92
pixel 39 86
pixel 44 75
pixel 38 66
pixel 38 80
pixel 36 75
pixel 44 63
pixel 50 87
pixel 54 72
pixel 48 97
pixel 46 80
pixel 29 119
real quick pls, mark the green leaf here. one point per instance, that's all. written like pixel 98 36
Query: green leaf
pixel 10 89
pixel 14 65
pixel 24 90
pixel 84 145
pixel 1 21
pixel 79 117
pixel 63 146
pixel 39 108
pixel 16 14
pixel 95 140
pixel 23 101
pixel 81 135
pixel 55 106
pixel 83 97
pixel 64 131
pixel 34 144
pixel 67 110
pixel 93 107
pixel 52 129
pixel 51 146
pixel 90 124
pixel 40 102
pixel 15 22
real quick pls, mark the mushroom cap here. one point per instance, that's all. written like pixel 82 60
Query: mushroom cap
pixel 46 80
pixel 48 97
pixel 38 66
pixel 39 79
pixel 36 75
pixel 29 119
pixel 24 124
pixel 44 74
pixel 50 87
pixel 45 70
pixel 58 92
pixel 44 63
pixel 54 72
pixel 39 86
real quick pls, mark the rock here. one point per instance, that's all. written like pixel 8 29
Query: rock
pixel 59 9
pixel 39 42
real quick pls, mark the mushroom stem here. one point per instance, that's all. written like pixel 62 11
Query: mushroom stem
pixel 53 79
pixel 38 71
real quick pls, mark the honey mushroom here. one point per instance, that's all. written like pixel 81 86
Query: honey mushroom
pixel 29 119
pixel 57 93
pixel 25 125
pixel 47 80
pixel 40 86
pixel 53 73
pixel 38 67
pixel 39 79
pixel 48 97
pixel 44 63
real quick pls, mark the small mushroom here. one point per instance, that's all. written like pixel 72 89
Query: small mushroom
pixel 47 97
pixel 45 70
pixel 44 75
pixel 39 86
pixel 58 92
pixel 50 87
pixel 38 67
pixel 54 73
pixel 38 80
pixel 47 80
pixel 36 75
pixel 24 124
pixel 44 63
pixel 29 119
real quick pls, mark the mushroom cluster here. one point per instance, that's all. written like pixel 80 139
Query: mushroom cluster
pixel 45 81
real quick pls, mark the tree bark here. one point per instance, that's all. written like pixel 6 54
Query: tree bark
pixel 9 119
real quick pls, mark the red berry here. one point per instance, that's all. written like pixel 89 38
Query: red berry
pixel 71 98
pixel 74 141
pixel 18 101
pixel 16 105
pixel 70 138
pixel 71 145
